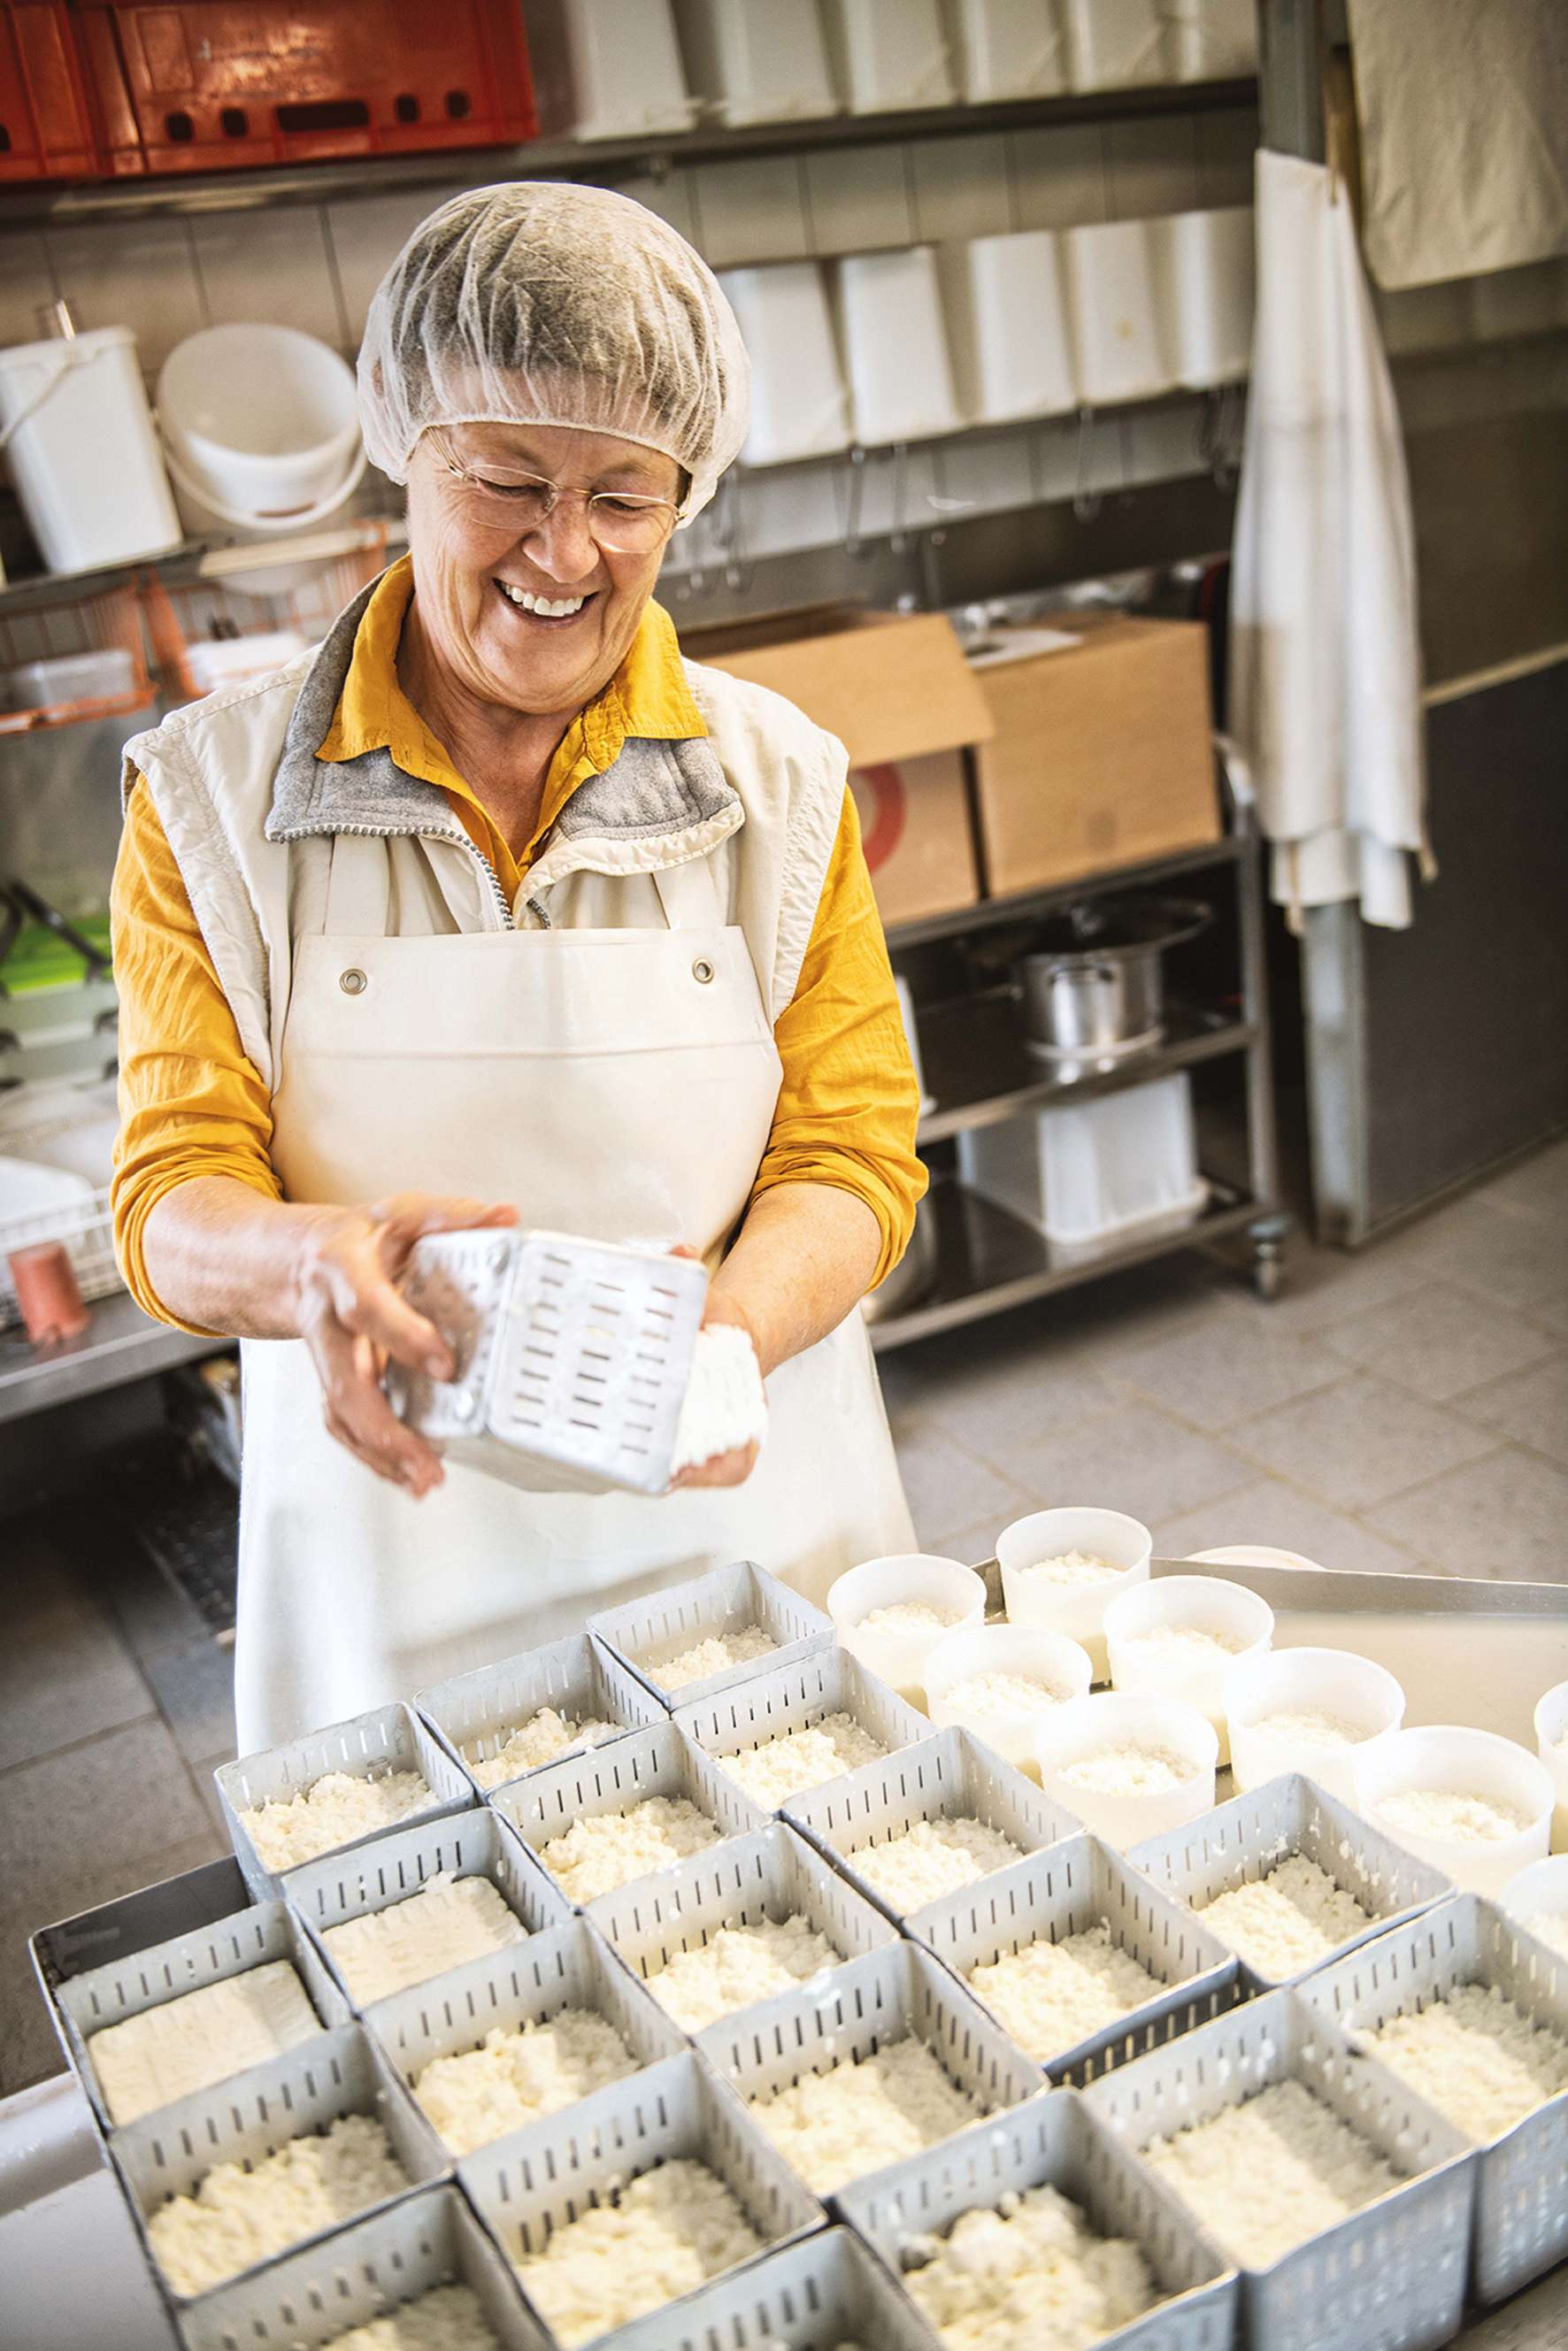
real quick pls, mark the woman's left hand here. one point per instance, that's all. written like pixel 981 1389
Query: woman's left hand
pixel 724 1469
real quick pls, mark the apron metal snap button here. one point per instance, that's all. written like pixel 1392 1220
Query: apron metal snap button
pixel 352 982
pixel 702 970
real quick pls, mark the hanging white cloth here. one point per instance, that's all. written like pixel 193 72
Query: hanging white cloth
pixel 1325 684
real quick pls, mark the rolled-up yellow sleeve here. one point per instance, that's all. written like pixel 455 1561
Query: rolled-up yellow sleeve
pixel 191 1101
pixel 849 1105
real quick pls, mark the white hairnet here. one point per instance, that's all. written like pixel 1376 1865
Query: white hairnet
pixel 538 302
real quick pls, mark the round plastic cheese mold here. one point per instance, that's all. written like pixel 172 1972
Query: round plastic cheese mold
pixel 911 1579
pixel 1307 1681
pixel 1207 1604
pixel 1111 1719
pixel 1078 1610
pixel 1453 1759
pixel 1021 1654
pixel 1551 1732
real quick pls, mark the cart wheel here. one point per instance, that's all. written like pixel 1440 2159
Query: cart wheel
pixel 1268 1259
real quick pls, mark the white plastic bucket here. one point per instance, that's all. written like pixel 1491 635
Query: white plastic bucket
pixel 1205 1604
pixel 1117 44
pixel 84 456
pixel 260 422
pixel 609 68
pixel 1092 1175
pixel 800 407
pixel 1074 1610
pixel 1059 1666
pixel 1108 1719
pixel 1539 1890
pixel 918 1577
pixel 1006 48
pixel 1334 1682
pixel 894 346
pixel 888 55
pixel 756 60
pixel 1007 327
pixel 1116 344
pixel 1552 1727
pixel 1453 1757
pixel 1204 284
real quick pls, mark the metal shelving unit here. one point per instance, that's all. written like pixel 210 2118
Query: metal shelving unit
pixel 120 1343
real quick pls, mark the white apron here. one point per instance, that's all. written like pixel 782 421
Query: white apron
pixel 616 1083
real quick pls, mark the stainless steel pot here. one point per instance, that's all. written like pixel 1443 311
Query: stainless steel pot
pixel 1091 983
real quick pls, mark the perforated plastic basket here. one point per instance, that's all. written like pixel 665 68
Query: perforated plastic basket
pixel 248 2118
pixel 773 1875
pixel 566 1967
pixel 309 2299
pixel 474 1715
pixel 1391 2274
pixel 1066 1891
pixel 645 1633
pixel 827 2290
pixel 660 1761
pixel 792 1698
pixel 1242 1841
pixel 948 1776
pixel 86 2005
pixel 573 1357
pixel 1521 2176
pixel 1056 2141
pixel 866 2005
pixel 526 2187
pixel 388 1738
pixel 393 1868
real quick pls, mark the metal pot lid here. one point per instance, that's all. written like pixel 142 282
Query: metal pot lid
pixel 1099 927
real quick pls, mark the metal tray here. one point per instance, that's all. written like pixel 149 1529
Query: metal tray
pixel 825 2291
pixel 388 1738
pixel 369 1877
pixel 1068 1889
pixel 791 1698
pixel 1055 2140
pixel 1522 2203
pixel 476 1713
pixel 136 1922
pixel 566 1967
pixel 949 1775
pixel 1244 1839
pixel 643 1632
pixel 1391 2275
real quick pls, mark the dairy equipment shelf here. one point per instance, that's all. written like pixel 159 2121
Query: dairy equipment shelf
pixel 980 1070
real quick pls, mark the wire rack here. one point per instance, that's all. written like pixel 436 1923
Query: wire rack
pixel 83 1226
pixel 308 601
pixel 108 624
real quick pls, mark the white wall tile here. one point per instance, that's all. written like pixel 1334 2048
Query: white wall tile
pixel 1060 176
pixel 271 266
pixel 1150 166
pixel 140 274
pixel 990 472
pixel 25 283
pixel 366 235
pixel 858 199
pixel 750 211
pixel 962 187
pixel 1226 145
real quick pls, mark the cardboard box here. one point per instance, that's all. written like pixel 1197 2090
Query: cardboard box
pixel 1102 753
pixel 897 692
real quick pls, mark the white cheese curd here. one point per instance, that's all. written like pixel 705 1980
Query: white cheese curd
pixel 1050 1996
pixel 1127 1770
pixel 539 1740
pixel 777 1769
pixel 333 1810
pixel 738 1967
pixel 448 1921
pixel 200 2038
pixel 909 1616
pixel 1549 1926
pixel 1311 1729
pixel 1263 2176
pixel 1181 1644
pixel 933 1858
pixel 1075 1567
pixel 609 1849
pixel 837 2125
pixel 520 2073
pixel 1287 1920
pixel 665 2232
pixel 447 2318
pixel 1446 1813
pixel 1032 2276
pixel 725 1408
pixel 1477 2058
pixel 984 1694
pixel 238 2217
pixel 716 1654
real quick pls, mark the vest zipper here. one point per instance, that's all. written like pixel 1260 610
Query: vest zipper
pixel 421 832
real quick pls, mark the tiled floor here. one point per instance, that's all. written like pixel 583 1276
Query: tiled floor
pixel 1406 1409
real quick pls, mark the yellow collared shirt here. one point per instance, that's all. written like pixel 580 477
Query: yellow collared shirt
pixel 192 1103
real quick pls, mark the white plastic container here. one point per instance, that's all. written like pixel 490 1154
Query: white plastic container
pixel 1117 44
pixel 756 60
pixel 1061 1665
pixel 1256 1555
pixel 1111 1719
pixel 260 419
pixel 1453 1757
pixel 894 346
pixel 607 69
pixel 1007 327
pixel 1308 1681
pixel 1540 1889
pixel 1006 49
pixel 888 55
pixel 1205 285
pixel 1552 1728
pixel 78 438
pixel 899 1656
pixel 1212 40
pixel 99 676
pixel 1093 1175
pixel 217 662
pixel 1208 1605
pixel 799 406
pixel 1077 1610
pixel 1117 351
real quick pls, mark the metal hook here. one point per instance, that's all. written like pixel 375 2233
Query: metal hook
pixel 853 500
pixel 898 537
pixel 1086 503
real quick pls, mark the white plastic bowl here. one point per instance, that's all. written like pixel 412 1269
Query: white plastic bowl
pixel 262 418
pixel 1078 1610
pixel 900 1657
pixel 1551 1725
pixel 1256 1555
pixel 1107 1720
pixel 1210 1604
pixel 1307 1681
pixel 1062 1665
pixel 1471 1763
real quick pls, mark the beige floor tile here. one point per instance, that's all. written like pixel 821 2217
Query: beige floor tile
pixel 1529 1407
pixel 1441 1341
pixel 1358 1442
pixel 1272 1512
pixel 1504 1517
pixel 1229 1368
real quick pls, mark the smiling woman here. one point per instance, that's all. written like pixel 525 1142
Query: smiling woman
pixel 495 907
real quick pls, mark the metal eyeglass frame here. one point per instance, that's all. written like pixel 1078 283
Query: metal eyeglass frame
pixel 674 508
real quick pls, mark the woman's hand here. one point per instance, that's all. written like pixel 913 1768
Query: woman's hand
pixel 348 1310
pixel 724 1469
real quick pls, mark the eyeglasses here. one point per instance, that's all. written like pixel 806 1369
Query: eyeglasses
pixel 624 521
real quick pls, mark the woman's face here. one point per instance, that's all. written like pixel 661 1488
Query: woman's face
pixel 479 575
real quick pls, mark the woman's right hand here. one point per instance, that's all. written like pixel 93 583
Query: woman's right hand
pixel 351 1316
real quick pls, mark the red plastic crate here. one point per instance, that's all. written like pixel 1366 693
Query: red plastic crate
pixel 46 127
pixel 213 85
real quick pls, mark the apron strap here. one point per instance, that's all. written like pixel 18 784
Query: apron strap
pixel 359 888
pixel 689 896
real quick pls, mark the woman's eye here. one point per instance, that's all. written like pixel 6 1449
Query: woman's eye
pixel 612 505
